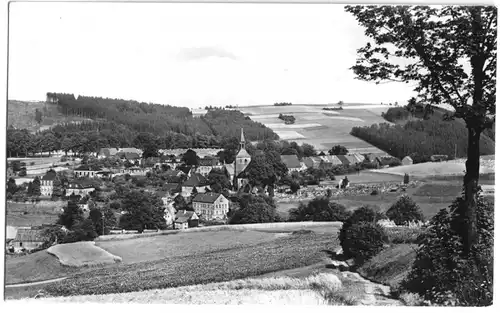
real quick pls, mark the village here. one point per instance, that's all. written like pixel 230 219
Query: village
pixel 187 181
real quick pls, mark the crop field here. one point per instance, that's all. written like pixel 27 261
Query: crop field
pixel 318 127
pixel 79 254
pixel 182 244
pixel 220 265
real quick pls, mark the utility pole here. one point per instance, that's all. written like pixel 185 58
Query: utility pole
pixel 455 151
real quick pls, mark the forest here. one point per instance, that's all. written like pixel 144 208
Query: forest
pixel 422 138
pixel 118 123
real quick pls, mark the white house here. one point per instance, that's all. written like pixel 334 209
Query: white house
pixel 211 205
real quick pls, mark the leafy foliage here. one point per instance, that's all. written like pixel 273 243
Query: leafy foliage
pixel 338 150
pixel 319 209
pixel 442 272
pixel 362 241
pixel 405 210
pixel 144 211
pixel 260 212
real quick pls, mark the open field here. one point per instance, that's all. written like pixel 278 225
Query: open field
pixel 330 127
pixel 35 267
pixel 448 168
pixel 79 254
pixel 281 290
pixel 221 265
pixel 20 214
pixel 182 244
pixel 432 196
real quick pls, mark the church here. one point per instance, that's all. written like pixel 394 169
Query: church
pixel 237 168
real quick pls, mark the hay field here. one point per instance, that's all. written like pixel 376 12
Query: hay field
pixel 21 214
pixel 181 244
pixel 448 168
pixel 318 127
pixel 312 290
pixel 84 253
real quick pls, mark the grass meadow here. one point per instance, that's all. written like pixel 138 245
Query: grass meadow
pixel 80 254
pixel 20 214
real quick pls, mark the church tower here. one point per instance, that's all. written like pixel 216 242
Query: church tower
pixel 243 158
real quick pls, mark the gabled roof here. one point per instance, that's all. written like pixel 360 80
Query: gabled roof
pixel 229 168
pixel 333 159
pixel 173 172
pixel 209 197
pixel 291 161
pixel 352 159
pixel 185 168
pixel 128 155
pixel 359 158
pixel 196 180
pixel 24 235
pixel 184 216
pixel 172 187
pixel 92 168
pixel 50 175
pixel 408 158
pixel 344 159
pixel 133 150
pixel 81 184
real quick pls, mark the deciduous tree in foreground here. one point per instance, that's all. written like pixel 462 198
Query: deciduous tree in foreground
pixel 450 52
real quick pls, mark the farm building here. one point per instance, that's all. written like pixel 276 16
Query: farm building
pixel 359 157
pixel 407 160
pixel 291 162
pixel 211 205
pixel 47 183
pixel 28 239
pixel 330 161
pixel 186 219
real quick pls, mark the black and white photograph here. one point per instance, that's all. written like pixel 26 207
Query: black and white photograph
pixel 249 153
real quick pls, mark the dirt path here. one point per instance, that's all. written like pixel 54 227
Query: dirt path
pixel 36 283
pixel 375 294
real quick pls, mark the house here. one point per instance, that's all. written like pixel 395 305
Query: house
pixel 344 160
pixel 407 160
pixel 313 162
pixel 79 188
pixel 186 169
pixel 47 183
pixel 135 171
pixel 329 161
pixel 86 171
pixel 131 150
pixel 132 157
pixel 107 152
pixel 28 239
pixel 291 162
pixel 195 180
pixel 206 165
pixel 358 157
pixel 211 205
pixel 104 173
pixel 185 219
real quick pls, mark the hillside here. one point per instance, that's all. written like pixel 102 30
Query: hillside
pixel 421 138
pixel 70 123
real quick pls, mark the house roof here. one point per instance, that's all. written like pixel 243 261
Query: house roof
pixel 184 216
pixel 229 168
pixel 207 161
pixel 344 159
pixel 408 158
pixel 172 187
pixel 24 235
pixel 243 153
pixel 11 232
pixel 108 151
pixel 128 155
pixel 291 161
pixel 88 168
pixel 209 197
pixel 81 184
pixel 333 159
pixel 359 157
pixel 133 150
pixel 196 180
pixel 50 175
pixel 185 168
pixel 352 159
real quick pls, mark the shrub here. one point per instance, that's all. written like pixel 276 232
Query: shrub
pixel 442 273
pixel 362 240
pixel 406 179
pixel 374 192
pixel 403 235
pixel 319 209
pixel 367 213
pixel 405 210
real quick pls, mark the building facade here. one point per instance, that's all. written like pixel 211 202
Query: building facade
pixel 211 205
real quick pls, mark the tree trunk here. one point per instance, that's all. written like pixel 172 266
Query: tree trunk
pixel 471 178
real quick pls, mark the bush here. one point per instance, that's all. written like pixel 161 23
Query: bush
pixel 319 209
pixel 403 235
pixel 442 273
pixel 367 213
pixel 405 210
pixel 361 241
pixel 374 192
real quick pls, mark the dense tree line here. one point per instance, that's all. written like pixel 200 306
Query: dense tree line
pixel 420 139
pixel 289 119
pixel 128 123
pixel 281 104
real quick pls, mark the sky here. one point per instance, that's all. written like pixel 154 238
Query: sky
pixel 190 54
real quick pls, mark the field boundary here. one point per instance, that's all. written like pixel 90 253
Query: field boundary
pixel 284 226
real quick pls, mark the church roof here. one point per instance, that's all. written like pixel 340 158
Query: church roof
pixel 243 153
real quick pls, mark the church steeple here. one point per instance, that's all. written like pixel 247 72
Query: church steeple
pixel 242 140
